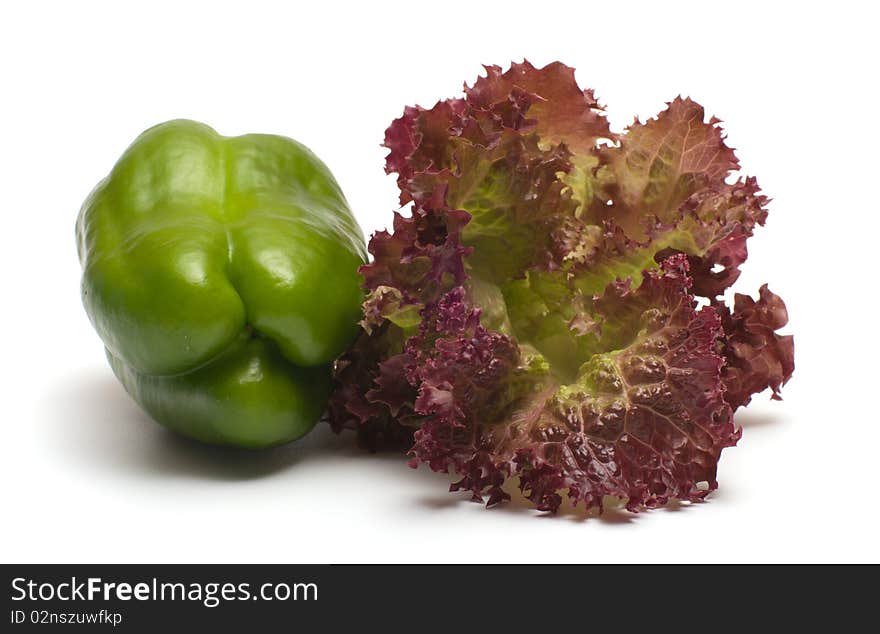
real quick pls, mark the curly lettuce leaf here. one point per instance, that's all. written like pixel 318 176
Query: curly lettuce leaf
pixel 559 113
pixel 644 422
pixel 412 268
pixel 557 109
pixel 536 317
pixel 756 356
pixel 660 163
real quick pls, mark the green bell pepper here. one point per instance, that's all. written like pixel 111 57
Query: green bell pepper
pixel 221 274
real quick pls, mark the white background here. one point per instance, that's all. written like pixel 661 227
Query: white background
pixel 87 477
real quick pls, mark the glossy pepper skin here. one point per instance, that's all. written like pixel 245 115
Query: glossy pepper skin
pixel 221 274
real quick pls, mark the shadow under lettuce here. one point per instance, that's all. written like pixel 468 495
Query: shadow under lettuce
pixel 93 422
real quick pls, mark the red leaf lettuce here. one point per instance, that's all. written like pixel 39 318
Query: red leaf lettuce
pixel 537 316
